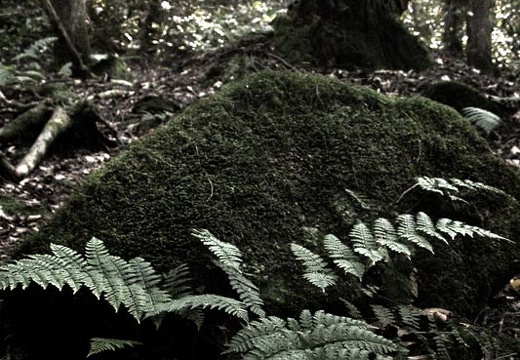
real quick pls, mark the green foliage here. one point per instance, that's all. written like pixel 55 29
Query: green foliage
pixel 230 261
pixel 133 284
pixel 36 49
pixel 450 187
pixel 312 336
pixel 99 345
pixel 368 247
pixel 483 119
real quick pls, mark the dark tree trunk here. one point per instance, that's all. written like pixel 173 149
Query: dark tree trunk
pixel 69 19
pixel 359 33
pixel 454 19
pixel 480 26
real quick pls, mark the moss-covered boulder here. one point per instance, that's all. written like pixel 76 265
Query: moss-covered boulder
pixel 459 95
pixel 271 155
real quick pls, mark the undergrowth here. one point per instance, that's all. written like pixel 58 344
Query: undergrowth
pixel 388 328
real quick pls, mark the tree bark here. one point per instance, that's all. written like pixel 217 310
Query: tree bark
pixel 480 26
pixel 359 33
pixel 454 19
pixel 71 28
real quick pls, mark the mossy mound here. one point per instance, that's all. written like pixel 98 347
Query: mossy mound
pixel 273 154
pixel 459 95
pixel 347 44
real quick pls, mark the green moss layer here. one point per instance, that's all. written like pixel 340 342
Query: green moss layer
pixel 272 154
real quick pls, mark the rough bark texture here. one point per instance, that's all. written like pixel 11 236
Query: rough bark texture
pixel 73 16
pixel 454 20
pixel 480 26
pixel 353 33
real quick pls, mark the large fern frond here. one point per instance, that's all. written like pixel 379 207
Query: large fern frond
pixel 484 119
pixel 312 337
pixel 230 261
pixel 205 301
pixel 316 270
pixel 226 253
pixel 453 228
pixel 130 283
pixel 99 345
pixel 451 187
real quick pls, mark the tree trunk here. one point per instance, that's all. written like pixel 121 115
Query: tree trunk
pixel 480 26
pixel 70 25
pixel 454 19
pixel 358 33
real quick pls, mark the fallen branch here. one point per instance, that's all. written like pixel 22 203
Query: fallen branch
pixel 57 124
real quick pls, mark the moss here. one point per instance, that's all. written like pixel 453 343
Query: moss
pixel 459 95
pixel 272 154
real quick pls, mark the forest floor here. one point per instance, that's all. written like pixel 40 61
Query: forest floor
pixel 27 204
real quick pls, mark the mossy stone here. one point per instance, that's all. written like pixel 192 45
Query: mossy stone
pixel 271 155
pixel 459 95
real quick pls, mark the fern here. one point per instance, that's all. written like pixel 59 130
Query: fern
pixel 99 345
pixel 226 253
pixel 386 236
pixel 34 51
pixel 364 243
pixel 343 256
pixel 316 269
pixel 133 284
pixel 454 186
pixel 407 230
pixel 483 119
pixel 314 336
pixel 228 305
pixel 230 261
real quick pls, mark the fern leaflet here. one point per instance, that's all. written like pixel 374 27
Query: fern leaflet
pixel 230 261
pixel 99 345
pixel 407 230
pixel 343 256
pixel 386 236
pixel 226 253
pixel 316 270
pixel 484 119
pixel 364 243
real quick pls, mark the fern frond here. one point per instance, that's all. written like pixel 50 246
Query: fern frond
pixel 228 305
pixel 315 336
pixel 99 345
pixel 386 236
pixel 453 228
pixel 246 290
pixel 132 284
pixel 316 270
pixel 364 243
pixel 226 253
pixel 484 119
pixel 407 230
pixel 352 309
pixel 343 256
pixel 230 261
pixel 361 199
pixel 425 225
pixel 477 186
pixel 114 271
pixel 383 315
pixel 176 281
pixel 34 51
pixel 410 316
